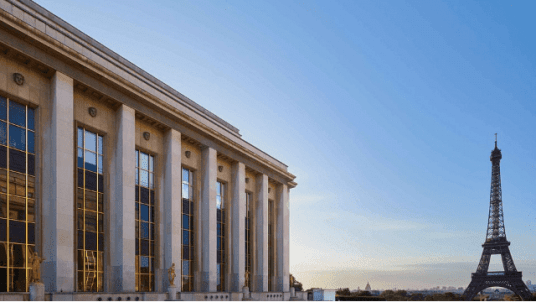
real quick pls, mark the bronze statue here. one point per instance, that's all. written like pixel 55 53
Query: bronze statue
pixel 291 280
pixel 246 281
pixel 35 263
pixel 171 275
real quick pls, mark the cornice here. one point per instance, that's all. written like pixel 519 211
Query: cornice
pixel 72 45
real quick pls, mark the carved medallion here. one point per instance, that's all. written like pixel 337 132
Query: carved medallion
pixel 146 135
pixel 188 153
pixel 220 168
pixel 18 78
pixel 92 111
pixel 247 180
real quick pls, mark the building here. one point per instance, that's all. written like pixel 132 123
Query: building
pixel 320 294
pixel 113 177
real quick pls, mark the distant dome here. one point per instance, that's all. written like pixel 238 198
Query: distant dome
pixel 367 288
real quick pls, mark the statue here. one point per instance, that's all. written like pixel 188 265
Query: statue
pixel 171 275
pixel 35 263
pixel 246 281
pixel 291 280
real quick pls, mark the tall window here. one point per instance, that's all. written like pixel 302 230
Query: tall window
pixel 90 211
pixel 17 194
pixel 187 231
pixel 145 222
pixel 248 241
pixel 271 252
pixel 220 208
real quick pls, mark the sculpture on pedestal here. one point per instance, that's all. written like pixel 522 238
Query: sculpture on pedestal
pixel 172 275
pixel 35 263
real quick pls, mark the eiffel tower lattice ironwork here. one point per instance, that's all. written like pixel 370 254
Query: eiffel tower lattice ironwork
pixel 496 243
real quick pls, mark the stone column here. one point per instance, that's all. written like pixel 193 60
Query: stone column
pixel 122 203
pixel 207 217
pixel 238 225
pixel 260 268
pixel 172 204
pixel 282 239
pixel 58 188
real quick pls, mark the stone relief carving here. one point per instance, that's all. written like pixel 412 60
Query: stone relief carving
pixel 18 78
pixel 92 111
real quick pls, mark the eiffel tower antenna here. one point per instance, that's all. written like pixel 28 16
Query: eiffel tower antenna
pixel 496 243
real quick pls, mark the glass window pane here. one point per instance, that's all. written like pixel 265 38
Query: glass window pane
pixel 3 232
pixel 137 158
pixel 19 280
pixel 17 208
pixel 31 164
pixel 91 161
pixel 91 221
pixel 91 241
pixel 136 173
pixel 31 233
pixel 17 231
pixel 100 145
pixel 185 221
pixel 151 163
pixel 3 108
pixel 17 161
pixel 17 114
pixel 151 180
pixel 144 198
pixel 31 140
pixel 185 191
pixel 80 138
pixel 3 133
pixel 31 118
pixel 3 157
pixel 91 181
pixel 91 200
pixel 144 161
pixel 100 164
pixel 218 188
pixel 144 212
pixel 185 175
pixel 3 206
pixel 17 137
pixel 144 178
pixel 80 160
pixel 101 183
pixel 91 141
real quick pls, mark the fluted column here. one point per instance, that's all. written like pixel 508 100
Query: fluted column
pixel 282 239
pixel 260 268
pixel 58 188
pixel 238 225
pixel 207 217
pixel 122 206
pixel 172 204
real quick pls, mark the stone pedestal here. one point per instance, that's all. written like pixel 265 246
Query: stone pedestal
pixel 172 293
pixel 246 294
pixel 37 291
pixel 293 294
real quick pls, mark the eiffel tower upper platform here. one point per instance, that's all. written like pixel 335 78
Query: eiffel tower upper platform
pixel 496 244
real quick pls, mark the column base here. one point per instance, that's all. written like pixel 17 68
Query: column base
pixel 37 291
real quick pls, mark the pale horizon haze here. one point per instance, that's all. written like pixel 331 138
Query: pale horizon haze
pixel 384 110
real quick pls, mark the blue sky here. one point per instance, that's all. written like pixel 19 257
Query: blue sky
pixel 384 110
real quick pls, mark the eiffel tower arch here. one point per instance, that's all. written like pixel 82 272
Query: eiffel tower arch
pixel 496 244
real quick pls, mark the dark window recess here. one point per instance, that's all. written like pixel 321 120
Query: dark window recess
pixel 137 246
pixel 185 222
pixel 144 230
pixel 91 181
pixel 80 239
pixel 101 242
pixel 31 117
pixel 219 257
pixel 3 230
pixel 185 253
pixel 31 164
pixel 3 133
pixel 152 197
pixel 31 139
pixel 17 161
pixel 80 178
pixel 137 193
pixel 101 183
pixel 91 241
pixel 3 157
pixel 17 231
pixel 31 233
pixel 218 216
pixel 145 247
pixel 185 206
pixel 3 255
pixel 3 109
pixel 19 278
pixel 144 196
pixel 17 137
pixel 144 212
pixel 3 279
pixel 17 257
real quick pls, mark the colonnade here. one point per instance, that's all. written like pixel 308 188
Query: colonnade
pixel 58 213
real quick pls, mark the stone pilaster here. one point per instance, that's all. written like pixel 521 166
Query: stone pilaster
pixel 238 225
pixel 122 203
pixel 172 204
pixel 58 188
pixel 207 217
pixel 260 263
pixel 282 239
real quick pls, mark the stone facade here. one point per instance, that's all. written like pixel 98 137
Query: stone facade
pixel 76 85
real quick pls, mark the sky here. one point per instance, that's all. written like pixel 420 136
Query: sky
pixel 384 110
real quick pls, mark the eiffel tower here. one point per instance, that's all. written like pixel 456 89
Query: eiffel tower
pixel 496 243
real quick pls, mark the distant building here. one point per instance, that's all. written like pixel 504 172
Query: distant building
pixel 368 288
pixel 319 294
